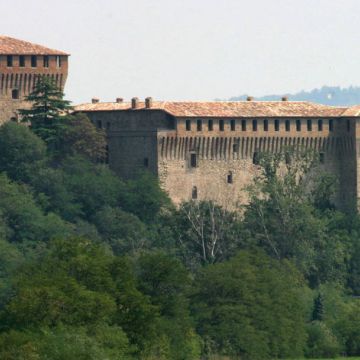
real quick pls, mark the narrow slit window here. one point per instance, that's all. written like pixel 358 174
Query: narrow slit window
pixel 15 93
pixel 243 125
pixel 266 125
pixel 254 125
pixel 229 177
pixel 194 193
pixel 235 148
pixel 322 158
pixel 33 61
pixel 199 125
pixel 210 125
pixel 331 125
pixel 46 61
pixel 221 125
pixel 298 125
pixel 320 125
pixel 309 125
pixel 188 125
pixel 22 61
pixel 9 60
pixel 287 125
pixel 232 125
pixel 193 160
pixel 276 125
pixel 348 125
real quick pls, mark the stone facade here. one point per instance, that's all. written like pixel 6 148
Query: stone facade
pixel 209 150
pixel 21 64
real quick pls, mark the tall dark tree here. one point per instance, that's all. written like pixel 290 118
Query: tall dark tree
pixel 48 106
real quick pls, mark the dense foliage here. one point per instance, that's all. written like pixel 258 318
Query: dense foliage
pixel 95 267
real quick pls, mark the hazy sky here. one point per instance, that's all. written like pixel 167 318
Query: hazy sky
pixel 193 49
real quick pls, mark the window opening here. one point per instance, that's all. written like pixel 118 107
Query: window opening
pixel 320 125
pixel 193 160
pixel 21 60
pixel 210 125
pixel 33 61
pixel 254 125
pixel 309 125
pixel 322 158
pixel 331 125
pixel 15 93
pixel 194 193
pixel 230 178
pixel 256 158
pixel 188 125
pixel 298 125
pixel 199 125
pixel 287 125
pixel 9 60
pixel 276 125
pixel 221 125
pixel 232 125
pixel 266 125
pixel 243 125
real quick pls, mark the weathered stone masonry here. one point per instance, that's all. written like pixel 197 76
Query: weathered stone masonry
pixel 208 150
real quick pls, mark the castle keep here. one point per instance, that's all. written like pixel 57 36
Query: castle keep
pixel 209 150
pixel 21 64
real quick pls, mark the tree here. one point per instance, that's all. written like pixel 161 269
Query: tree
pixel 22 153
pixel 81 137
pixel 46 114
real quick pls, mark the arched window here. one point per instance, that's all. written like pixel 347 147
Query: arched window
pixel 15 93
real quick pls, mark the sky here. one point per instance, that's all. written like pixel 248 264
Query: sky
pixel 193 49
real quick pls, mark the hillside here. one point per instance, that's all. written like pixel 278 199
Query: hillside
pixel 327 95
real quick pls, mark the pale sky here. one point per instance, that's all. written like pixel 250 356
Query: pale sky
pixel 193 49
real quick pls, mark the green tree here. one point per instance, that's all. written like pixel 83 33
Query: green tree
pixel 46 114
pixel 22 153
pixel 249 307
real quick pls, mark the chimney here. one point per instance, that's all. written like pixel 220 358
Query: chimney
pixel 95 100
pixel 250 98
pixel 134 102
pixel 148 102
pixel 119 100
pixel 284 98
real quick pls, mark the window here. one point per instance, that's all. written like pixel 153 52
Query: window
pixel 210 125
pixel 298 125
pixel 276 125
pixel 188 125
pixel 287 125
pixel 256 158
pixel 221 125
pixel 232 125
pixel 243 125
pixel 108 125
pixel 320 125
pixel 254 125
pixel 21 60
pixel 15 93
pixel 322 157
pixel 58 61
pixel 230 178
pixel 199 125
pixel 193 160
pixel 331 125
pixel 194 193
pixel 99 124
pixel 235 148
pixel 309 125
pixel 33 61
pixel 146 162
pixel 266 125
pixel 46 61
pixel 348 125
pixel 9 60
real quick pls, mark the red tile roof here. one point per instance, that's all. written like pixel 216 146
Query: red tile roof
pixel 230 109
pixel 11 46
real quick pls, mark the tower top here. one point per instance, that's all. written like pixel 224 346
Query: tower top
pixel 11 46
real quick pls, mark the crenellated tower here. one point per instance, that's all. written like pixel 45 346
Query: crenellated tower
pixel 21 65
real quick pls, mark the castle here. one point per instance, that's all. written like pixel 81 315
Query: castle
pixel 199 150
pixel 209 150
pixel 21 64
